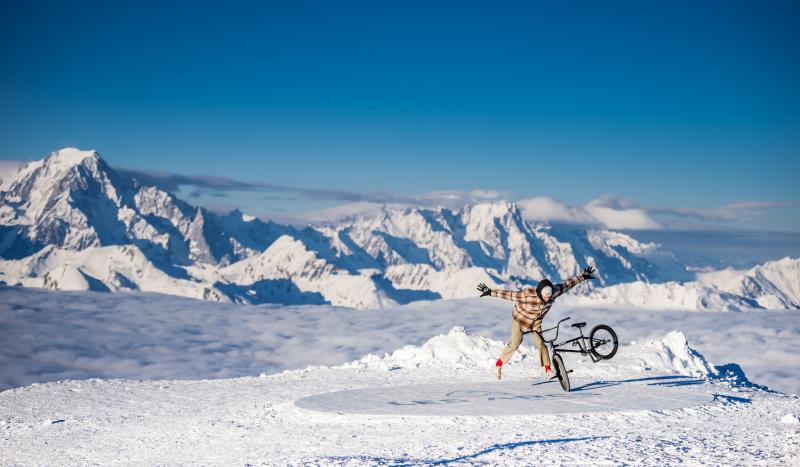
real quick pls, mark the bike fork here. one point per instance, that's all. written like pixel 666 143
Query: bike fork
pixel 566 372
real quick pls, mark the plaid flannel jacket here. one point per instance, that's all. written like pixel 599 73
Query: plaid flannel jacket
pixel 529 310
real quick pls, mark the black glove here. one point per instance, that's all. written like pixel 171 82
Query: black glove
pixel 587 273
pixel 484 289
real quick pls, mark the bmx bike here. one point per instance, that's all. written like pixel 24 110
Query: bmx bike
pixel 600 344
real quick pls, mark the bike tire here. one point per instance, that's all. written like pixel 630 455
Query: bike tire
pixel 603 342
pixel 561 372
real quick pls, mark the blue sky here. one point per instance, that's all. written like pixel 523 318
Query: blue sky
pixel 680 109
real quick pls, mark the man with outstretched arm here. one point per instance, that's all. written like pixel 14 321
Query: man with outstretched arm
pixel 529 310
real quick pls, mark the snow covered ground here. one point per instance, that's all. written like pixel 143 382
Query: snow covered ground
pixel 256 421
pixel 409 385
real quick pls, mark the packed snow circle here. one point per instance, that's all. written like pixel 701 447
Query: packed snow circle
pixel 511 398
pixel 658 401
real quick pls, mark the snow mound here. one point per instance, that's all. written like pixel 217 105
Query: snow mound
pixel 459 350
pixel 790 419
pixel 454 350
pixel 672 353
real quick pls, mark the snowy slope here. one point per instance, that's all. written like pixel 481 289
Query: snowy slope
pixel 289 258
pixel 70 222
pixel 660 401
pixel 111 268
pixel 495 237
pixel 667 295
pixel 775 284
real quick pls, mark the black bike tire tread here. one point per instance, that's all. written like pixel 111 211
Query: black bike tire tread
pixel 561 372
pixel 591 342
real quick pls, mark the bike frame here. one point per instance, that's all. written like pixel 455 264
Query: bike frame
pixel 581 341
pixel 584 347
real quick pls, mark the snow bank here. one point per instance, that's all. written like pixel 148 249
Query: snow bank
pixel 459 350
pixel 790 419
pixel 672 353
pixel 454 350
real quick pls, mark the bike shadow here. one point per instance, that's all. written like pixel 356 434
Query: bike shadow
pixel 663 380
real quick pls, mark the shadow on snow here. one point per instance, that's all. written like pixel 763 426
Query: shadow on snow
pixel 464 458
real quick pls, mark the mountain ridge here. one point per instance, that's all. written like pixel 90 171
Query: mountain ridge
pixel 70 221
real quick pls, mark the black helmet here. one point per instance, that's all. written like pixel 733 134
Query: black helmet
pixel 542 284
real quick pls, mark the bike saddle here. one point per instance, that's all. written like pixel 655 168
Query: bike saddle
pixel 579 325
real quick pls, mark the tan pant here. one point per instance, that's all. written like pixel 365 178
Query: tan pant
pixel 516 340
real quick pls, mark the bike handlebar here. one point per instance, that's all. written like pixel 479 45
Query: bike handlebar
pixel 556 327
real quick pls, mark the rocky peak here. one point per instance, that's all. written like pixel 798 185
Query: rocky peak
pixel 72 156
pixel 39 186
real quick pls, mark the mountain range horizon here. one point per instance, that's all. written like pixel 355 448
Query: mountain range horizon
pixel 71 222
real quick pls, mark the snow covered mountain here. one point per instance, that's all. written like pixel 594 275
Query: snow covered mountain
pixel 775 284
pixel 70 222
pixel 73 200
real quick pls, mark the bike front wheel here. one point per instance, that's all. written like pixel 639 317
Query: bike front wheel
pixel 603 342
pixel 561 372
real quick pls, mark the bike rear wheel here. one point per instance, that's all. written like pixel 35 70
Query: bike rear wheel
pixel 561 372
pixel 603 342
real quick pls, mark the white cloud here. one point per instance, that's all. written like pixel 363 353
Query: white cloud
pixel 618 212
pixel 606 211
pixel 452 199
pixel 623 218
pixel 739 211
pixel 609 211
pixel 340 213
pixel 546 209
